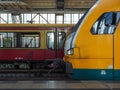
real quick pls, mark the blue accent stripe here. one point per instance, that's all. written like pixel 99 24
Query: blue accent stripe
pixel 92 74
pixel 116 74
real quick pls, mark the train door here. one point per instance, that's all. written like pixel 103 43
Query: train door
pixel 60 40
pixel 117 48
pixel 55 42
pixel 103 31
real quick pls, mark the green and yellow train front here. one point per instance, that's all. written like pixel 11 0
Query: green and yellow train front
pixel 92 50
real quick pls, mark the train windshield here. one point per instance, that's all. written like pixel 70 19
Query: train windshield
pixel 106 24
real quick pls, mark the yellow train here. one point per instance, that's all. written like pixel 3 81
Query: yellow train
pixel 92 50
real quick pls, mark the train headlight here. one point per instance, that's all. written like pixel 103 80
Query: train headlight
pixel 70 51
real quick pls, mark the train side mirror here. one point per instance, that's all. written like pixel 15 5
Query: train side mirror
pixel 109 18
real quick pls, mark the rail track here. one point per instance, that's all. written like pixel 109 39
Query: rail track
pixel 33 74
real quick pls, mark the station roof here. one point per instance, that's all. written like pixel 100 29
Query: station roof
pixel 45 6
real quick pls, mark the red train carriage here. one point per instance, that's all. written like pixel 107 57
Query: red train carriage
pixel 31 46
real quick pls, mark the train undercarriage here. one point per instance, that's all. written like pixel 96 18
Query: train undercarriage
pixel 32 69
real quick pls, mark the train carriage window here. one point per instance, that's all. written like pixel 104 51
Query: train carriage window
pixel 30 40
pixel 55 42
pixel 50 40
pixel 18 40
pixel 61 39
pixel 1 42
pixel 106 24
pixel 7 40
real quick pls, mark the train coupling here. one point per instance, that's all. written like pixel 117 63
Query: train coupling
pixel 55 64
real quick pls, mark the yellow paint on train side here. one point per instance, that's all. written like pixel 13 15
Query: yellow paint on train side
pixel 91 63
pixel 117 48
pixel 95 51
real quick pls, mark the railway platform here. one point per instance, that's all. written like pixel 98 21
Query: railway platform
pixel 59 85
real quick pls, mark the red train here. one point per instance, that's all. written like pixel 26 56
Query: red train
pixel 32 46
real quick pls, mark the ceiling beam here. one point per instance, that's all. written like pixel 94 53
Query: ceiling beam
pixel 45 6
pixel 60 4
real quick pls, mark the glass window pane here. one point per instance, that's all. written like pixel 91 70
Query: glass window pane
pixel 61 39
pixel 51 18
pixel 50 40
pixel 106 23
pixel 9 18
pixel 80 16
pixel 59 19
pixel 7 40
pixel 43 18
pixel 67 19
pixel 30 40
pixel 3 18
pixel 74 18
pixel 36 20
pixel 26 18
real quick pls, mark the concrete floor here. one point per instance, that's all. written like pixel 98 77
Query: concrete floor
pixel 59 85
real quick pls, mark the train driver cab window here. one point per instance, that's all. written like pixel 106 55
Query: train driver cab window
pixel 30 40
pixel 106 24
